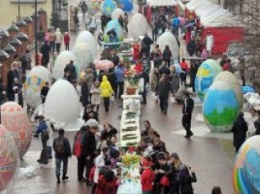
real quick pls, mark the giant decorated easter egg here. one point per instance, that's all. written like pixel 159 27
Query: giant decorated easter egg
pixel 62 103
pixel 207 71
pixel 246 171
pixel 232 80
pixel 15 119
pixel 138 26
pixel 116 13
pixel 41 72
pixel 32 91
pixel 167 38
pixel 8 158
pixel 114 24
pixel 220 106
pixel 60 63
pixel 89 39
pixel 108 7
pixel 126 5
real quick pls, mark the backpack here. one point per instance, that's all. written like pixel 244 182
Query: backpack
pixel 59 146
pixel 45 135
pixel 77 147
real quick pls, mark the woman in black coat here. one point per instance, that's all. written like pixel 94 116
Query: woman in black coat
pixel 84 94
pixel 186 178
pixel 239 130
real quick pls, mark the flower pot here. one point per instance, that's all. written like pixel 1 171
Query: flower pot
pixel 130 90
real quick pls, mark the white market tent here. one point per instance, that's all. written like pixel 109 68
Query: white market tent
pixel 157 3
pixel 206 5
pixel 197 4
pixel 209 9
pixel 209 16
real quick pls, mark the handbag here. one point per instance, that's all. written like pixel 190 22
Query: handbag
pixel 165 181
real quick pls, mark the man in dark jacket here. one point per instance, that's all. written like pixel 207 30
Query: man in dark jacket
pixel 164 88
pixel 239 130
pixel 45 51
pixel 187 109
pixel 148 42
pixel 44 92
pixel 191 47
pixel 70 71
pixel 89 149
pixel 62 148
pixel 164 69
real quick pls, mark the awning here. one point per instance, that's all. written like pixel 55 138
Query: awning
pixel 157 3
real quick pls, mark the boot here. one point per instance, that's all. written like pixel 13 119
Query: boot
pixel 64 177
pixel 58 179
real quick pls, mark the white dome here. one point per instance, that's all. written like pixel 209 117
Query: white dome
pixel 138 26
pixel 61 61
pixel 62 103
pixel 167 38
pixel 89 39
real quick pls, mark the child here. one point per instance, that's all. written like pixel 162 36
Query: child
pixel 147 177
pixel 66 39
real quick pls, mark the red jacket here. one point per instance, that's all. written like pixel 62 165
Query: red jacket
pixel 66 39
pixel 226 67
pixel 184 66
pixel 147 179
pixel 104 187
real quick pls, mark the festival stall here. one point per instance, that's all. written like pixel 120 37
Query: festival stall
pixel 156 8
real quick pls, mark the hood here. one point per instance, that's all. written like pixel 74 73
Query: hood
pixel 104 78
pixel 57 30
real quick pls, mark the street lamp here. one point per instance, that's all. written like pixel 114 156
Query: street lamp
pixel 19 10
pixel 36 31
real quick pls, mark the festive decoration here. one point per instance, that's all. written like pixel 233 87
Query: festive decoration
pixel 246 171
pixel 116 13
pixel 129 160
pixel 89 39
pixel 232 80
pixel 8 158
pixel 61 61
pixel 32 91
pixel 207 71
pixel 14 118
pixel 104 65
pixel 83 56
pixel 114 24
pixel 220 106
pixel 60 110
pixel 138 26
pixel 167 38
pixel 108 7
pixel 41 72
pixel 126 5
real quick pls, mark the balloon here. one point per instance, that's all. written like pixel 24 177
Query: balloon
pixel 108 7
pixel 119 31
pixel 32 91
pixel 62 103
pixel 126 5
pixel 60 63
pixel 116 13
pixel 15 119
pixel 138 26
pixel 89 39
pixel 8 158
pixel 83 56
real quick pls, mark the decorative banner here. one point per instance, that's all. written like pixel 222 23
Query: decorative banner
pixel 246 171
pixel 15 119
pixel 126 5
pixel 8 158
pixel 220 107
pixel 32 91
pixel 108 7
pixel 207 71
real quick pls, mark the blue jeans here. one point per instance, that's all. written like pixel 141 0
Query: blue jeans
pixel 58 165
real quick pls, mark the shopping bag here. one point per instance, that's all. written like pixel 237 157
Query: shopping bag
pixel 112 98
pixel 165 181
pixel 172 99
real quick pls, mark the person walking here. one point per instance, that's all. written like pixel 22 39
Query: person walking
pixel 45 51
pixel 164 88
pixel 106 92
pixel 44 92
pixel 191 47
pixel 89 149
pixel 52 40
pixel 209 43
pixel 184 71
pixel 174 79
pixel 77 151
pixel 66 40
pixel 148 42
pixel 167 55
pixel 95 95
pixel 62 149
pixel 76 21
pixel 126 22
pixel 119 73
pixel 84 98
pixel 58 39
pixel 84 9
pixel 239 130
pixel 70 71
pixel 187 109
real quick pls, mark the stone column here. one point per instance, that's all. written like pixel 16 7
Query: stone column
pixel 43 20
pixel 30 29
pixel 5 68
pixel 24 39
pixel 10 50
pixel 17 45
pixel 13 30
pixel 21 24
pixel 5 38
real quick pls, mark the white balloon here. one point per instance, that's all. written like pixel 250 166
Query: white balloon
pixel 61 61
pixel 116 13
pixel 167 38
pixel 138 26
pixel 62 103
pixel 41 72
pixel 83 56
pixel 89 39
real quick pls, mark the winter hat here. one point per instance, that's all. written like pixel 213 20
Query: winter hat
pixel 131 149
pixel 145 163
